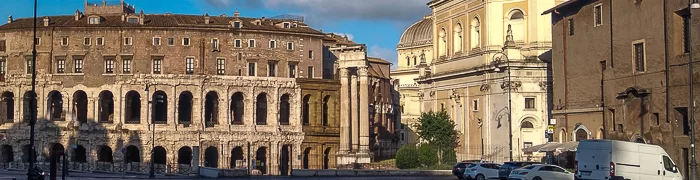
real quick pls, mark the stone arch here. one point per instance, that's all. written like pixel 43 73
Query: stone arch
pixel 132 108
pixel 237 158
pixel 475 32
pixel 581 133
pixel 457 37
pixel 7 107
pixel 133 154
pixel 285 160
pixel 184 108
pixel 26 99
pixel 261 109
pixel 6 154
pixel 562 135
pixel 56 150
pixel 516 20
pixel 80 106
pixel 408 61
pixel 159 155
pixel 26 152
pixel 159 101
pixel 327 158
pixel 526 125
pixel 184 156
pixel 325 110
pixel 211 157
pixel 638 139
pixel 305 158
pixel 79 154
pixel 106 107
pixel 237 108
pixel 442 42
pixel 306 108
pixel 600 133
pixel 285 109
pixel 104 154
pixel 55 106
pixel 211 109
pixel 261 159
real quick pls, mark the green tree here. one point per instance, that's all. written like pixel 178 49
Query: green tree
pixel 427 155
pixel 438 130
pixel 406 157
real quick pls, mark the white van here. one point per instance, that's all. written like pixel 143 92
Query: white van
pixel 621 160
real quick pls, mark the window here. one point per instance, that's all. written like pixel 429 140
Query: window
pixel 220 66
pixel 109 66
pixel 2 45
pixel 100 41
pixel 571 27
pixel 3 65
pixel 251 69
pixel 237 24
pixel 639 61
pixel 408 61
pixel 157 66
pixel 290 46
pixel 94 20
pixel 37 41
pixel 127 41
pixel 215 44
pixel 655 119
pixel 598 14
pixel 612 118
pixel 475 105
pixel 272 44
pixel 237 43
pixel 78 65
pixel 60 65
pixel 156 41
pixel 686 33
pixel 29 65
pixel 87 41
pixel 668 164
pixel 64 41
pixel 529 103
pixel 292 71
pixel 185 41
pixel 132 20
pixel 527 125
pixel 171 41
pixel 126 65
pixel 240 56
pixel 286 25
pixel 311 54
pixel 415 60
pixel 310 70
pixel 271 69
pixel 189 65
pixel 682 114
pixel 251 43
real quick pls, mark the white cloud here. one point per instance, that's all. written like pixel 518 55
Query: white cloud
pixel 383 53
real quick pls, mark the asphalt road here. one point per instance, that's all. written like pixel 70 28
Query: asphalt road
pixel 8 175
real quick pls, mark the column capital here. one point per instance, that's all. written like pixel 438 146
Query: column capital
pixel 362 71
pixel 344 72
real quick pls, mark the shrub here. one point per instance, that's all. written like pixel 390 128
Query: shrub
pixel 427 155
pixel 406 157
pixel 449 156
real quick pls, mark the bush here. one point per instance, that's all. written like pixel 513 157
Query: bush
pixel 406 157
pixel 449 156
pixel 427 155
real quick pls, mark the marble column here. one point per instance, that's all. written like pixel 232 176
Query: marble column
pixel 344 110
pixel 364 110
pixel 354 114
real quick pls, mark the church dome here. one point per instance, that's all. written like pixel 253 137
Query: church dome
pixel 418 34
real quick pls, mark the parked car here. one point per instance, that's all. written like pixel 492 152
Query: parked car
pixel 481 171
pixel 541 172
pixel 505 169
pixel 458 169
pixel 609 159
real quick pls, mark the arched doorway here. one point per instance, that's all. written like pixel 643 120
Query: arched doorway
pixel 80 109
pixel 79 154
pixel 305 158
pixel 211 157
pixel 25 106
pixel 284 109
pixel 133 154
pixel 305 109
pixel 104 154
pixel 324 111
pixel 284 160
pixel 7 107
pixel 211 109
pixel 326 158
pixel 160 107
pixel 106 107
pixel 261 109
pixel 132 108
pixel 26 152
pixel 55 155
pixel 261 159
pixel 159 155
pixel 237 158
pixel 55 106
pixel 184 156
pixel 581 134
pixel 6 154
pixel 237 108
pixel 184 108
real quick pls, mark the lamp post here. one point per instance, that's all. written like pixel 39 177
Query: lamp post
pixel 481 128
pixel 151 172
pixel 510 125
pixel 691 104
pixel 31 174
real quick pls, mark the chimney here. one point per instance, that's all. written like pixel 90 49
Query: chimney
pixel 141 20
pixel 236 14
pixel 46 21
pixel 206 18
pixel 78 15
pixel 9 19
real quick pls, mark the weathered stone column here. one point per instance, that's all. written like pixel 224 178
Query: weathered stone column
pixel 354 115
pixel 344 110
pixel 364 110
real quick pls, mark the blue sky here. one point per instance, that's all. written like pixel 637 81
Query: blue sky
pixel 376 23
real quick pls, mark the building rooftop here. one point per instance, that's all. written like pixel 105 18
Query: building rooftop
pixel 418 34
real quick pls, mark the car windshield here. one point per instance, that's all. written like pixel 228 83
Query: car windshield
pixel 529 167
pixel 471 165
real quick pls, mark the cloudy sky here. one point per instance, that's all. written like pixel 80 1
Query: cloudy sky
pixel 376 23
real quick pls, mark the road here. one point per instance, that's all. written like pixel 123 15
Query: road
pixel 9 175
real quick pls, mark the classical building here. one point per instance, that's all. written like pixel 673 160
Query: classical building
pixel 490 74
pixel 114 85
pixel 415 46
pixel 619 77
pixel 321 123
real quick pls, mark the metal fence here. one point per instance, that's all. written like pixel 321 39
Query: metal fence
pixel 110 167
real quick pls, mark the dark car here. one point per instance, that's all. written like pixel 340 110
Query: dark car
pixel 458 169
pixel 504 170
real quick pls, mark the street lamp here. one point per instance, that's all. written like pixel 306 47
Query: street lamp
pixel 691 104
pixel 510 125
pixel 481 128
pixel 31 174
pixel 151 172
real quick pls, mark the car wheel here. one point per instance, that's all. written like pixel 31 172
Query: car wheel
pixel 537 178
pixel 481 177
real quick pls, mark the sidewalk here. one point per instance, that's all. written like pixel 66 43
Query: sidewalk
pixel 23 174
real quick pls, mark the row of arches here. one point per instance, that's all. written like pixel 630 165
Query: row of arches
pixel 307 108
pixel 514 22
pixel 159 102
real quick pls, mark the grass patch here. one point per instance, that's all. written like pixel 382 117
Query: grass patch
pixel 435 167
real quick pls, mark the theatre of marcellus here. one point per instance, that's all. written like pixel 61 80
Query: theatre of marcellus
pixel 114 85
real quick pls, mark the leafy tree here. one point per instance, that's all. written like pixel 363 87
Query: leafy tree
pixel 427 155
pixel 406 157
pixel 438 130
